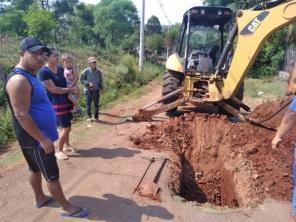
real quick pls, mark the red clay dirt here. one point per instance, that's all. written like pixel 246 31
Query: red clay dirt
pixel 224 163
pixel 267 109
pixel 103 175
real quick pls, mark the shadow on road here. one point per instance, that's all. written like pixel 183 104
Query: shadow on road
pixel 106 153
pixel 119 209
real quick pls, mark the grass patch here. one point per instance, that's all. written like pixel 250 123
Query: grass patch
pixel 10 158
pixel 267 88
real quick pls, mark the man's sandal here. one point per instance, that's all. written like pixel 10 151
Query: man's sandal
pixel 77 213
pixel 44 203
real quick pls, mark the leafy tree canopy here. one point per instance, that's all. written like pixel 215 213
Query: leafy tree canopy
pixel 11 22
pixel 171 36
pixel 81 23
pixel 40 22
pixel 115 20
pixel 153 26
pixel 154 43
pixel 234 4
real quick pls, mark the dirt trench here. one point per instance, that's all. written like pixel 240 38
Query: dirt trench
pixel 222 163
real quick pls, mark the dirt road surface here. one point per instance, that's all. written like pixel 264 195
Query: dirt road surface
pixel 103 175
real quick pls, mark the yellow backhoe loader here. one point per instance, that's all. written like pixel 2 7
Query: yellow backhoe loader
pixel 214 52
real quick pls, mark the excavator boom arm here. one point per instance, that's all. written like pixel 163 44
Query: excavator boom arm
pixel 254 27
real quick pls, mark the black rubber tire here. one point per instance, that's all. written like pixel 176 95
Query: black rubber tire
pixel 171 82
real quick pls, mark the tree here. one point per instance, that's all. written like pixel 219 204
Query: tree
pixel 271 57
pixel 3 5
pixel 153 26
pixel 217 2
pixel 132 42
pixel 62 7
pixel 22 5
pixel 115 20
pixel 170 36
pixel 40 22
pixel 11 22
pixel 154 43
pixel 81 23
pixel 234 4
pixel 61 10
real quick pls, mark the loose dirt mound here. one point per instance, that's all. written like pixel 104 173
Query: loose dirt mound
pixel 223 163
pixel 263 112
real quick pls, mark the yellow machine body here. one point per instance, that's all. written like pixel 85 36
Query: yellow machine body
pixel 174 63
pixel 254 28
pixel 249 44
pixel 252 33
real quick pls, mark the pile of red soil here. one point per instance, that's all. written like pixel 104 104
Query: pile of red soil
pixel 273 109
pixel 223 163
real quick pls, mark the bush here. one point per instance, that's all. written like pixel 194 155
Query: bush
pixel 271 57
pixel 150 72
pixel 129 62
pixel 4 71
pixel 6 129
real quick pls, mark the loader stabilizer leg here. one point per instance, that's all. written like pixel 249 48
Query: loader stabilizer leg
pixel 146 115
pixel 234 112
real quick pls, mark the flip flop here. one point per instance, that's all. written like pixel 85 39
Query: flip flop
pixel 44 203
pixel 78 213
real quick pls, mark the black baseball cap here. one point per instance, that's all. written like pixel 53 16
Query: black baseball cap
pixel 32 44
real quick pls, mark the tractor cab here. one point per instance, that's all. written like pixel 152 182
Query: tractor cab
pixel 202 37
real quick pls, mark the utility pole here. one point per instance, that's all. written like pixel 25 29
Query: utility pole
pixel 141 50
pixel 167 49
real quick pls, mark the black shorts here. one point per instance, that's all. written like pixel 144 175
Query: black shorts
pixel 38 160
pixel 64 121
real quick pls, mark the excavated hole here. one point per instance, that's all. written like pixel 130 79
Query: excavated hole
pixel 203 185
pixel 213 160
pixel 206 172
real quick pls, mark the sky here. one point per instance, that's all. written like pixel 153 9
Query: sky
pixel 174 9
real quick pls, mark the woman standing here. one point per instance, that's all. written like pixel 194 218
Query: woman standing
pixel 52 76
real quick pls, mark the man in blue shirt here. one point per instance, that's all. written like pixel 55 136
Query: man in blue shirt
pixel 34 122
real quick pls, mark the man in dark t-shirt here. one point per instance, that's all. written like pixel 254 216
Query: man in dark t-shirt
pixel 34 122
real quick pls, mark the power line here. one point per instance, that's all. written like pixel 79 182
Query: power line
pixel 163 11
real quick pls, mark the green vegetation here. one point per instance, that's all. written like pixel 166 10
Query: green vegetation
pixel 120 71
pixel 266 88
pixel 36 19
pixel 115 20
pixel 9 158
pixel 108 30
